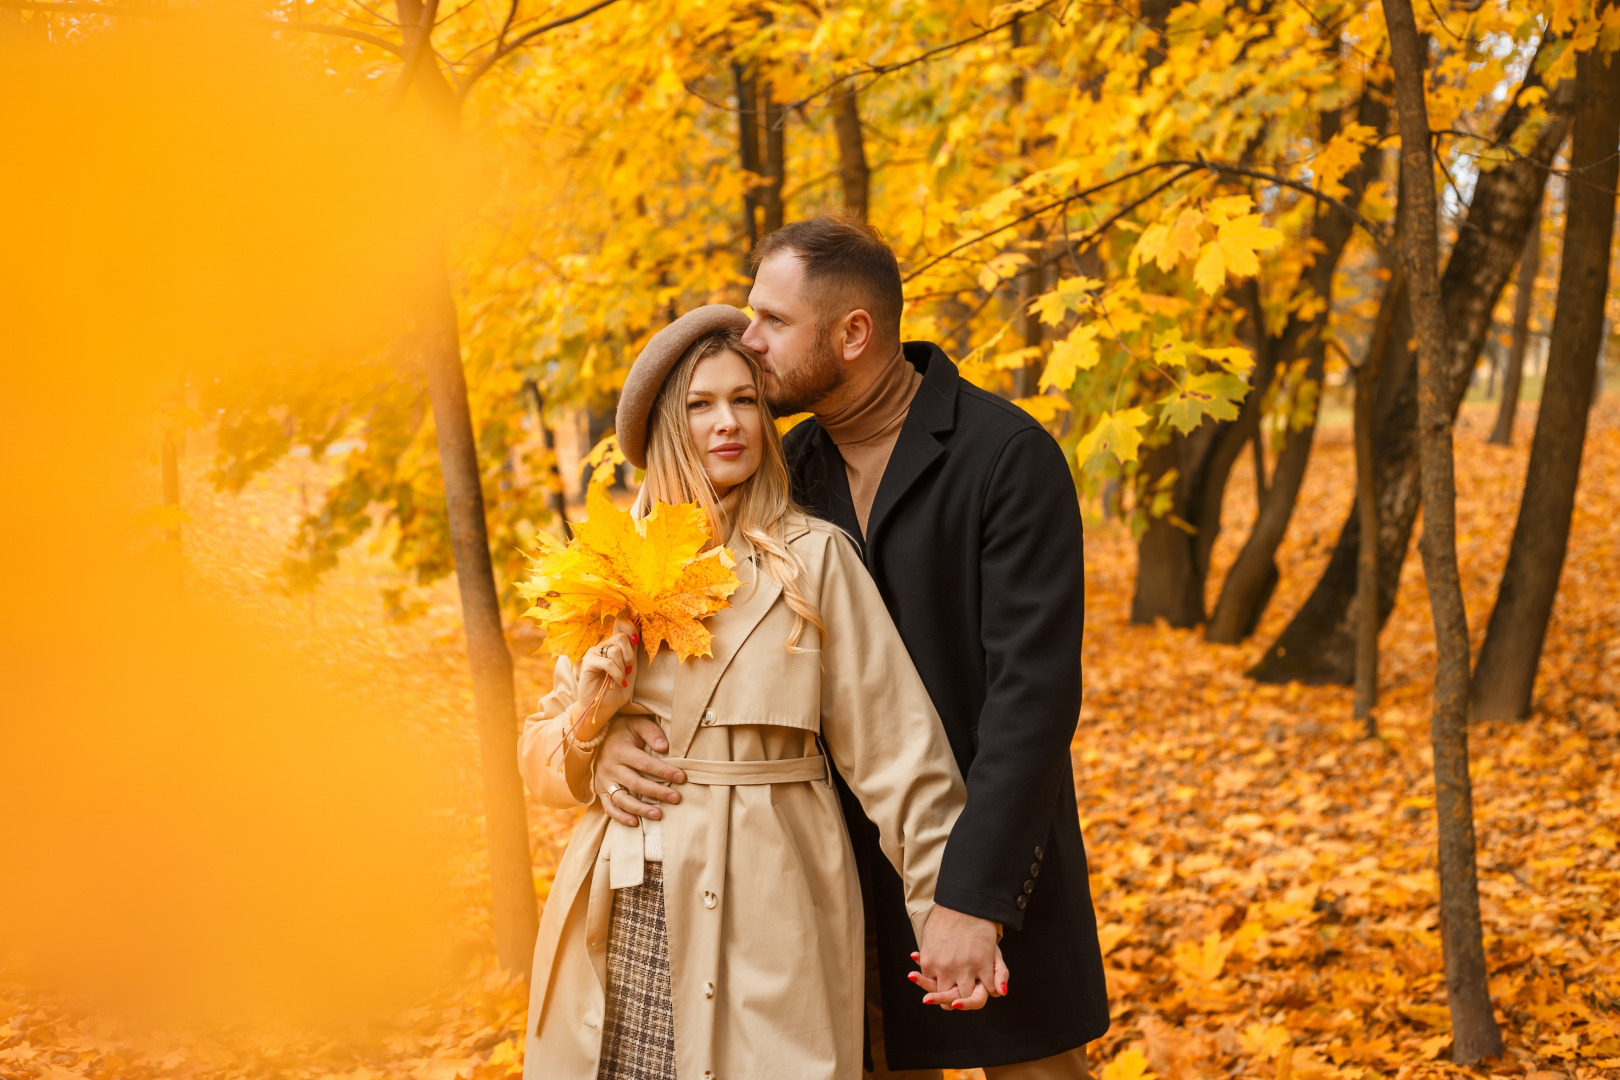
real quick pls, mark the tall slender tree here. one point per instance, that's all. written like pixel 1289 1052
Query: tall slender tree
pixel 1473 1024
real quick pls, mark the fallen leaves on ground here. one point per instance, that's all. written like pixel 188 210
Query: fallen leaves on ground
pixel 1263 874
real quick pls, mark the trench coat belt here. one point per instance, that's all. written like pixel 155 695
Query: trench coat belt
pixel 626 854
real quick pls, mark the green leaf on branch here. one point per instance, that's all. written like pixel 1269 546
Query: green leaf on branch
pixel 1117 434
pixel 1215 394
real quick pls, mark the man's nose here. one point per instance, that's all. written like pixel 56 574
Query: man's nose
pixel 752 338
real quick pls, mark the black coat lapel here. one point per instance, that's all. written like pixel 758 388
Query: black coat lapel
pixel 933 413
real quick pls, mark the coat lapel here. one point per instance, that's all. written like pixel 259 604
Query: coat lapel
pixel 697 678
pixel 932 413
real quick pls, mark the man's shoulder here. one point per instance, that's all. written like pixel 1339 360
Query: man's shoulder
pixel 983 413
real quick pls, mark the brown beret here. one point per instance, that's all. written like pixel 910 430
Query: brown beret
pixel 647 374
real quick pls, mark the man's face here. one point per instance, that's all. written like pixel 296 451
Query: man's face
pixel 802 366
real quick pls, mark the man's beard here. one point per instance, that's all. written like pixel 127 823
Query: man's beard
pixel 811 381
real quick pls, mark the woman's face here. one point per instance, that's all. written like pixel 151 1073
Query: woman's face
pixel 722 409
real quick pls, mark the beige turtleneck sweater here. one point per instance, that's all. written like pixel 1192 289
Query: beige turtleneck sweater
pixel 866 430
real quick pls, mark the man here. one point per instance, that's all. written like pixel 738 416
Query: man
pixel 965 514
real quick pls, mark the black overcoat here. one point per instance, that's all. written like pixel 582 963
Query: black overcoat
pixel 975 543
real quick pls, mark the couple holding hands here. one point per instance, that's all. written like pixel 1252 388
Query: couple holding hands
pixel 845 844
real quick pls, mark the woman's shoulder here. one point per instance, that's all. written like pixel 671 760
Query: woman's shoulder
pixel 812 535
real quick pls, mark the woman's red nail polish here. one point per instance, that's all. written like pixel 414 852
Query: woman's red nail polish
pixel 956 1004
pixel 1003 988
pixel 912 976
pixel 624 682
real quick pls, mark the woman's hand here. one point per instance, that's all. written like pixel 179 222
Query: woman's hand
pixel 613 660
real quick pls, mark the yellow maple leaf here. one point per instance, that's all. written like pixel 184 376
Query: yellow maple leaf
pixel 1240 238
pixel 1264 1040
pixel 1341 154
pixel 653 571
pixel 1129 1065
pixel 1076 353
pixel 1117 434
pixel 1182 240
pixel 1210 273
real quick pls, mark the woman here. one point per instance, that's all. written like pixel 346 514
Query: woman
pixel 725 940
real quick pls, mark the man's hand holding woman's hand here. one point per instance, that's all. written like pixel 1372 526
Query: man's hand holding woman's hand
pixel 624 768
pixel 961 963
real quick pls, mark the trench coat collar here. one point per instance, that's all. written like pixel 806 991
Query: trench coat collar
pixel 731 627
pixel 932 414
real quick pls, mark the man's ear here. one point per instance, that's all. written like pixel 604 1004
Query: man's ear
pixel 857 334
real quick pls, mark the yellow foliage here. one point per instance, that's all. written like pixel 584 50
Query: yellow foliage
pixel 655 571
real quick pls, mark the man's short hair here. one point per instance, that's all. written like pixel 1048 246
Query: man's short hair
pixel 846 258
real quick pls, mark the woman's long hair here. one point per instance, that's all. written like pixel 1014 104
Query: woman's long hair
pixel 757 509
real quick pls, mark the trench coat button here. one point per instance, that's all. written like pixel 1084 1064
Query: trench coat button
pixel 708 1074
pixel 708 989
pixel 1039 851
pixel 1023 902
pixel 708 718
pixel 1029 887
pixel 709 899
pixel 1034 869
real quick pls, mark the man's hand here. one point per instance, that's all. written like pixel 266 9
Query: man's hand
pixel 961 964
pixel 623 759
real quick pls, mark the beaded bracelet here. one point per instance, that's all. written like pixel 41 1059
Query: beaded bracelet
pixel 583 747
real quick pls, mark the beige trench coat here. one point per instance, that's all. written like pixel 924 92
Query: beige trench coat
pixel 762 902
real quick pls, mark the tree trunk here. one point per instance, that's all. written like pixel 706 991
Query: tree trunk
pixel 1319 644
pixel 511 868
pixel 557 500
pixel 1524 600
pixel 1249 585
pixel 1254 576
pixel 1366 615
pixel 748 147
pixel 770 196
pixel 1523 301
pixel 1168 584
pixel 852 168
pixel 1473 1024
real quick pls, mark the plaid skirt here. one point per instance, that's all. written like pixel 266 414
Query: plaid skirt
pixel 638 1033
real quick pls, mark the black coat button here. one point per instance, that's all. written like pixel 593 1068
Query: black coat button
pixel 1029 886
pixel 1039 851
pixel 1034 869
pixel 1023 902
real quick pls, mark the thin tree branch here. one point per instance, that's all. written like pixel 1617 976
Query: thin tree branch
pixel 1043 209
pixel 502 51
pixel 332 31
pixel 1378 235
pixel 877 71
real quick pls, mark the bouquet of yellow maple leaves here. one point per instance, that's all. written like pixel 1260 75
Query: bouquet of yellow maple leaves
pixel 654 571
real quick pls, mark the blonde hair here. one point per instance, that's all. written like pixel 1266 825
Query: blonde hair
pixel 758 509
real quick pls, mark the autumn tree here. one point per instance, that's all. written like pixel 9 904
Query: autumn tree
pixel 1319 642
pixel 1508 660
